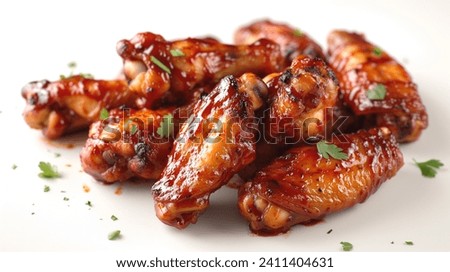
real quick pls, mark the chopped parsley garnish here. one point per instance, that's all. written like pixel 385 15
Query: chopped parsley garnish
pixel 428 168
pixel 326 150
pixel 160 64
pixel 114 218
pixel 377 51
pixel 66 199
pixel 134 129
pixel 57 155
pixel 166 127
pixel 86 75
pixel 14 166
pixel 377 92
pixel 46 189
pixel 114 235
pixel 176 52
pixel 48 170
pixel 298 32
pixel 409 243
pixel 72 66
pixel 88 203
pixel 346 246
pixel 104 114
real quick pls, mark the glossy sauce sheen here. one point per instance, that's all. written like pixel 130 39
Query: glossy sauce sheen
pixel 115 151
pixel 203 61
pixel 214 134
pixel 72 103
pixel 299 99
pixel 301 185
pixel 359 69
pixel 206 155
pixel 300 102
pixel 292 41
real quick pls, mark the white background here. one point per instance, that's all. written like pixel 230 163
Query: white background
pixel 39 38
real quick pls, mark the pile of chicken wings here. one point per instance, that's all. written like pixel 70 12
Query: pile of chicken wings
pixel 301 132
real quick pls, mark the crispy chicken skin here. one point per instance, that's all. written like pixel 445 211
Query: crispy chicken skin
pixel 360 66
pixel 302 186
pixel 292 42
pixel 72 103
pixel 157 68
pixel 300 99
pixel 127 145
pixel 300 105
pixel 213 145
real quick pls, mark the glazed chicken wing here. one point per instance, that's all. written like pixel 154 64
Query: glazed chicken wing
pixel 72 103
pixel 300 106
pixel 300 99
pixel 363 68
pixel 212 146
pixel 158 68
pixel 302 186
pixel 292 41
pixel 128 145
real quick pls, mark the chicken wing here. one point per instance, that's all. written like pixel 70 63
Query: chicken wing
pixel 300 98
pixel 157 68
pixel 300 106
pixel 215 143
pixel 72 103
pixel 128 144
pixel 364 68
pixel 292 41
pixel 302 185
